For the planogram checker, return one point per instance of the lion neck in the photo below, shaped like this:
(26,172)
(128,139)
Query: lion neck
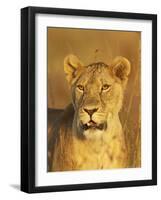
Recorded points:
(101,152)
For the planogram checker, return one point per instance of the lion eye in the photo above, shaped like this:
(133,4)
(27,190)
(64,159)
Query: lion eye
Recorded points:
(105,87)
(80,87)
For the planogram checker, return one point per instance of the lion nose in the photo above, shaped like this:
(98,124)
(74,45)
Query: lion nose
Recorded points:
(90,111)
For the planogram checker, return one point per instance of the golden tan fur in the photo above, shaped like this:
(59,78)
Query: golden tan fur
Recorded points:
(88,135)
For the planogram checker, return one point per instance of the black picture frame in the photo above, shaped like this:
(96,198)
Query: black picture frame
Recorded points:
(28,98)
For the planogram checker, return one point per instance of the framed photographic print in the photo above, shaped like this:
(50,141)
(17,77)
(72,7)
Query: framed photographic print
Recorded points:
(88,99)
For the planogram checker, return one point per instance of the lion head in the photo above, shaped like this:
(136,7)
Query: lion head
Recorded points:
(97,93)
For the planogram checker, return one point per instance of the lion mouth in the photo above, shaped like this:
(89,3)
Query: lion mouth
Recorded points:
(93,125)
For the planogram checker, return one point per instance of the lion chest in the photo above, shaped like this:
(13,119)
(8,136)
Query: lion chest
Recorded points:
(98,155)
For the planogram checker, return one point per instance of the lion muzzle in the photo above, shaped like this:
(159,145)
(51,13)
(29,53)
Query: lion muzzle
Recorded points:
(94,126)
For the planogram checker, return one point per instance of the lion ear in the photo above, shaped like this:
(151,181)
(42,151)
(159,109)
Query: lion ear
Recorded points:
(72,67)
(121,69)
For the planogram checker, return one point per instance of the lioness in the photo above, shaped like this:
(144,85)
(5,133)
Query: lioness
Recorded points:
(89,135)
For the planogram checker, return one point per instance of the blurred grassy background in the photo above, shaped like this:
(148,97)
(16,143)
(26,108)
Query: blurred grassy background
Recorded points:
(107,44)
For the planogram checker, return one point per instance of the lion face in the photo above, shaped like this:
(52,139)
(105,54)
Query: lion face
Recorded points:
(97,93)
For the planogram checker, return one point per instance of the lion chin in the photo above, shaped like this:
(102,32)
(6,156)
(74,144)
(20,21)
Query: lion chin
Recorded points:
(91,134)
